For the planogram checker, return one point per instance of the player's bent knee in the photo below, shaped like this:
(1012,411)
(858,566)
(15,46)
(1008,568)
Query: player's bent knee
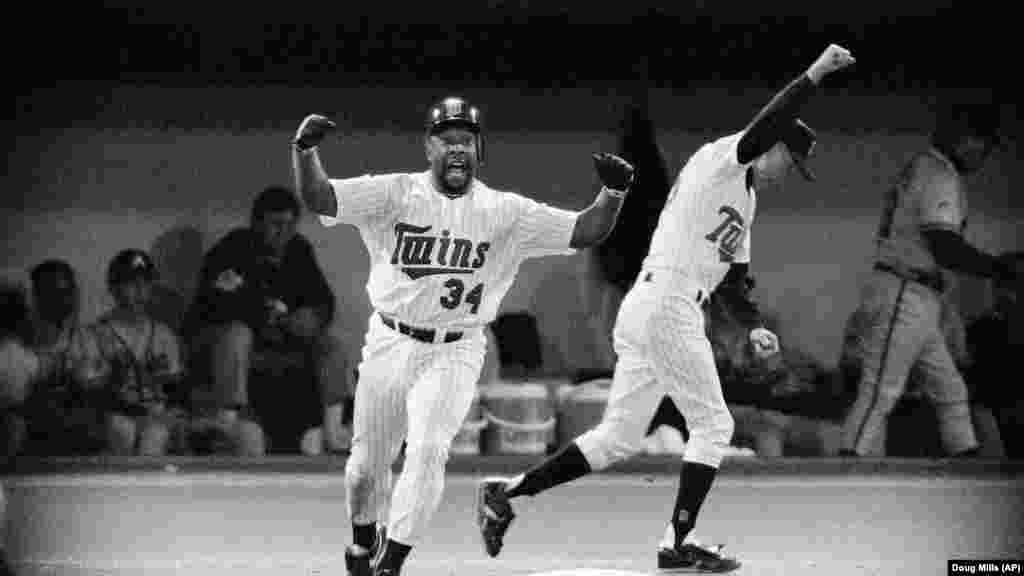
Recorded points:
(234,336)
(249,439)
(707,443)
(608,444)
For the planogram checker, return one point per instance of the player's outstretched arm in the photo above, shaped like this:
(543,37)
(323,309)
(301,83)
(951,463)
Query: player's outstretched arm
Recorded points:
(597,221)
(311,179)
(764,130)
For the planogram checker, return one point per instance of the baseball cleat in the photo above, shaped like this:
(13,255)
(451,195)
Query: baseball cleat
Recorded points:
(360,561)
(692,558)
(493,513)
(357,561)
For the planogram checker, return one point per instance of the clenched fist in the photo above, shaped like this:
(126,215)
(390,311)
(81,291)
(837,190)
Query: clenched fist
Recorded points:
(615,173)
(312,131)
(834,58)
(764,342)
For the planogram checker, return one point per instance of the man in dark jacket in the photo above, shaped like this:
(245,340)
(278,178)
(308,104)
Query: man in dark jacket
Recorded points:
(262,289)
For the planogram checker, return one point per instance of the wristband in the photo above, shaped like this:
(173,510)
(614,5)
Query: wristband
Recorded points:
(620,194)
(298,148)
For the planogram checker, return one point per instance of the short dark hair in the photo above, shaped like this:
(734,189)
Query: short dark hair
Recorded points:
(275,199)
(49,273)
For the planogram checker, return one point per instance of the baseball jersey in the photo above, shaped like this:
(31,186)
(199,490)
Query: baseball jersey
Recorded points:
(19,365)
(705,224)
(136,361)
(445,262)
(929,193)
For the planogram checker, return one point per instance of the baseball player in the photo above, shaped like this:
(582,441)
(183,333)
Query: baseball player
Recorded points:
(896,327)
(444,249)
(702,239)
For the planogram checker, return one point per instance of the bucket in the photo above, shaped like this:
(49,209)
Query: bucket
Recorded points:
(467,441)
(520,416)
(581,407)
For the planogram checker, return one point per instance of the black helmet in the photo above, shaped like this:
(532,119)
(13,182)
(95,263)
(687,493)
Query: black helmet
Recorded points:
(456,111)
(129,265)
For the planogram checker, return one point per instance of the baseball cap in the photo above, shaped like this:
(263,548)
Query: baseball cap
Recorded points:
(800,139)
(129,265)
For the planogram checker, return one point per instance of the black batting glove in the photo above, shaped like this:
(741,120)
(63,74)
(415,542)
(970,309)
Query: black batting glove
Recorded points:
(615,173)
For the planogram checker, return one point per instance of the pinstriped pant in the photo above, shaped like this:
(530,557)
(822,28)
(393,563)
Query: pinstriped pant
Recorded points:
(662,349)
(415,392)
(895,331)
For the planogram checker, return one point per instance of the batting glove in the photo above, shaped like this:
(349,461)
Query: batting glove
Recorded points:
(615,173)
(312,131)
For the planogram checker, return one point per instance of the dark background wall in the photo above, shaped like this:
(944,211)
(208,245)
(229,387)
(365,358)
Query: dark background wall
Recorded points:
(155,126)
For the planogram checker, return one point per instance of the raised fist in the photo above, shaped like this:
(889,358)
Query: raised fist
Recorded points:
(312,131)
(615,173)
(834,58)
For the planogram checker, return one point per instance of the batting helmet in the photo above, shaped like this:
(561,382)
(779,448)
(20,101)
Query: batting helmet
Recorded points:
(455,111)
(128,265)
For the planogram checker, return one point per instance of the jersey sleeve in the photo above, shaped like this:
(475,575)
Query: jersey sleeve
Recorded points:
(541,229)
(18,367)
(939,206)
(720,159)
(363,198)
(743,252)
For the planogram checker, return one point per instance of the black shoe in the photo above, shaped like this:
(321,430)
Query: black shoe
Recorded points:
(360,561)
(357,561)
(493,513)
(694,559)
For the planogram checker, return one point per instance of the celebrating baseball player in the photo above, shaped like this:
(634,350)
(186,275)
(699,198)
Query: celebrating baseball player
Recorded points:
(896,327)
(702,239)
(444,249)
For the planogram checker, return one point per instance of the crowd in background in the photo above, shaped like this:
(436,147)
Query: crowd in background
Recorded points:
(250,367)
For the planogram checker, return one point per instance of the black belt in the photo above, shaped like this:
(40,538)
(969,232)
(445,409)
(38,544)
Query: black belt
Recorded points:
(421,334)
(932,280)
(700,296)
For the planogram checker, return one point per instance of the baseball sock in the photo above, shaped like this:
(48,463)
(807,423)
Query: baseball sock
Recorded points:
(694,483)
(394,555)
(364,534)
(566,466)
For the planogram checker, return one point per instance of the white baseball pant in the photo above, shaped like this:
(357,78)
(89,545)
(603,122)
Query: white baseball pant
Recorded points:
(662,349)
(415,392)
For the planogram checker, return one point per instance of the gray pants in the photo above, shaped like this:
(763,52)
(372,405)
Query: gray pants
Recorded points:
(895,332)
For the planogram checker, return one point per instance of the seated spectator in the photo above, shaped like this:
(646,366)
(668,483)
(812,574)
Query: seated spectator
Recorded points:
(63,411)
(264,305)
(142,362)
(18,366)
(996,342)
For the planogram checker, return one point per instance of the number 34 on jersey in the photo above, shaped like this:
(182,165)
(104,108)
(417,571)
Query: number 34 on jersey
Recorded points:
(420,254)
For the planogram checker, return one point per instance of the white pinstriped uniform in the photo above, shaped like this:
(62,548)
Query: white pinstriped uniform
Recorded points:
(659,334)
(438,263)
